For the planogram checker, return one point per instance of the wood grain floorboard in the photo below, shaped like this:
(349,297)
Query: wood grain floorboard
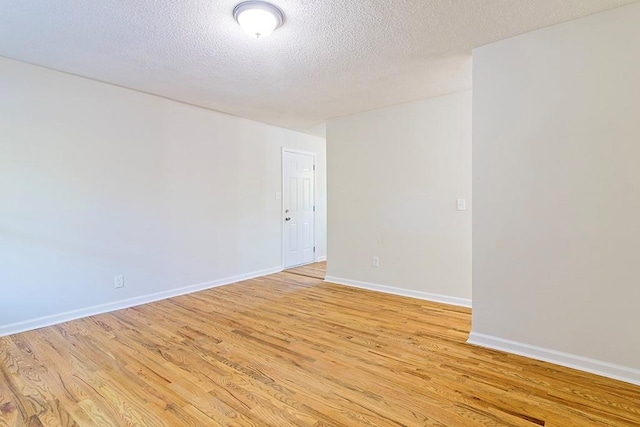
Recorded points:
(290,350)
(316,270)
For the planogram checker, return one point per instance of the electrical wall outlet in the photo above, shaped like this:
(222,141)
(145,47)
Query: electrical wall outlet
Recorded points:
(375,261)
(118,281)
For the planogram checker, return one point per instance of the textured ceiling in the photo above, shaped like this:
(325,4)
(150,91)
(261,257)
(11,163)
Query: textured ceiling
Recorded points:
(331,58)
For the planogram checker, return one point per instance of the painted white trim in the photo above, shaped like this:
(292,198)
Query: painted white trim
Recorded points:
(321,258)
(54,319)
(568,360)
(444,299)
(315,190)
(291,150)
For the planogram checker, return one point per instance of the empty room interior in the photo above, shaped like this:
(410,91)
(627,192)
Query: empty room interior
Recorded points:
(319,213)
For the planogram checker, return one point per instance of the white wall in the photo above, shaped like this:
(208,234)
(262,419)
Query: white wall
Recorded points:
(97,180)
(556,181)
(394,177)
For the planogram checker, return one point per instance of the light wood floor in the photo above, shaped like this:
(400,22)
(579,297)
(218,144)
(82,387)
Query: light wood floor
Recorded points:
(288,349)
(316,270)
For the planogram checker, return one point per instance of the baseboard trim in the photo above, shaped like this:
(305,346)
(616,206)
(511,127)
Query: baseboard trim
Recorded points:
(321,258)
(444,299)
(54,319)
(598,367)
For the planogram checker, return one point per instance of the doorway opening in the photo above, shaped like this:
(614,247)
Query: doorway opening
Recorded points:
(298,208)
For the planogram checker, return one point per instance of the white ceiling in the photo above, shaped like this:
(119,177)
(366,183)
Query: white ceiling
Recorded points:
(331,58)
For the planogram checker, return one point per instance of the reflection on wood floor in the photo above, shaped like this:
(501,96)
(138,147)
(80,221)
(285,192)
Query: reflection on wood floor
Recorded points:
(285,350)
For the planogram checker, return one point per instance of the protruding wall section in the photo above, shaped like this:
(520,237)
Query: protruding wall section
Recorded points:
(556,183)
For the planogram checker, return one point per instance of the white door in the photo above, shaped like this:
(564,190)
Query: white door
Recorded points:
(298,208)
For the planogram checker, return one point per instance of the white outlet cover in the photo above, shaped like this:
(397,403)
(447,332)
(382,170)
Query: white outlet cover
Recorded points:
(461,204)
(118,281)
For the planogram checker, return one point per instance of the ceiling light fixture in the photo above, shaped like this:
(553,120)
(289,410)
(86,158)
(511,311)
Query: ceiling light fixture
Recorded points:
(258,18)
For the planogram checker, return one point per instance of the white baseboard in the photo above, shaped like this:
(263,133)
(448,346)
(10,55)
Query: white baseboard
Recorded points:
(444,299)
(321,258)
(54,319)
(593,366)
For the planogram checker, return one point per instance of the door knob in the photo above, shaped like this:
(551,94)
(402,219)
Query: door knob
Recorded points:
(287,218)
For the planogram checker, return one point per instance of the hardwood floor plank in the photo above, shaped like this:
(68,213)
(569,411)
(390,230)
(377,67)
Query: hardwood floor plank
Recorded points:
(316,270)
(290,350)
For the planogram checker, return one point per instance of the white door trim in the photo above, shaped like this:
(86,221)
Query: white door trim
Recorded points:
(315,188)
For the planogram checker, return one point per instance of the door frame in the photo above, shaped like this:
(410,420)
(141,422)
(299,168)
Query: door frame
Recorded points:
(315,186)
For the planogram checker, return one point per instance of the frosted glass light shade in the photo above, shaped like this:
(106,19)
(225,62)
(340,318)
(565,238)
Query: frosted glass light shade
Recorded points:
(258,19)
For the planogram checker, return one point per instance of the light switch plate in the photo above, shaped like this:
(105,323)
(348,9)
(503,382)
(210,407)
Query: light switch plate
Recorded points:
(461,204)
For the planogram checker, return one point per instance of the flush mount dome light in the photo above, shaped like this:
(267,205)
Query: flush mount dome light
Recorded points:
(258,18)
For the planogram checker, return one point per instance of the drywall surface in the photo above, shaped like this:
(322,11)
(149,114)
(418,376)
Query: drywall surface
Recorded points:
(556,183)
(394,177)
(98,181)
